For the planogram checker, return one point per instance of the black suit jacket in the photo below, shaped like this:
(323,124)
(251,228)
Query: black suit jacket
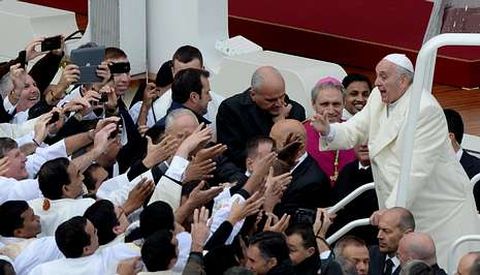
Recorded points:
(470,164)
(239,120)
(349,179)
(310,188)
(377,262)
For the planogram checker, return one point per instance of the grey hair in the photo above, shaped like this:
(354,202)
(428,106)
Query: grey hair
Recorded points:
(327,85)
(6,145)
(173,115)
(408,74)
(416,267)
(258,79)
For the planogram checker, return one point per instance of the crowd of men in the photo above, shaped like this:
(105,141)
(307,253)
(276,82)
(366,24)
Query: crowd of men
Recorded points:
(184,181)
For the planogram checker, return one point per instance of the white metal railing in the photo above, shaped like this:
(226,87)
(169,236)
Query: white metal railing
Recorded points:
(349,226)
(475,179)
(451,253)
(350,197)
(422,82)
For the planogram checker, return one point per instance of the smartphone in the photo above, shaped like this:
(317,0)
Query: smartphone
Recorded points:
(55,117)
(119,67)
(51,43)
(118,130)
(103,98)
(305,216)
(22,56)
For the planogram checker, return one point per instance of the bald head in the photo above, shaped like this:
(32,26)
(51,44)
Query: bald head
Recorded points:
(417,246)
(466,263)
(268,89)
(286,128)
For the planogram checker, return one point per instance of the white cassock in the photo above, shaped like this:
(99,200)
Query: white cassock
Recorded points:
(17,130)
(12,189)
(58,212)
(28,253)
(102,262)
(440,195)
(44,154)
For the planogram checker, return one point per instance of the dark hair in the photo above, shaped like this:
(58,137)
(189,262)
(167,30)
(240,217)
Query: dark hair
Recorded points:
(53,175)
(454,124)
(346,241)
(71,237)
(254,143)
(187,81)
(187,53)
(6,145)
(10,215)
(158,251)
(156,216)
(102,215)
(6,268)
(306,233)
(114,53)
(164,75)
(349,79)
(271,245)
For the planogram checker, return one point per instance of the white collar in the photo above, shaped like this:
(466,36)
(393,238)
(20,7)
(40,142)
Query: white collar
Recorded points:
(299,161)
(362,167)
(395,260)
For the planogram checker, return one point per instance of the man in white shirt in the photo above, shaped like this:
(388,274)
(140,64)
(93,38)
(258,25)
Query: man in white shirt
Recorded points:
(19,229)
(77,239)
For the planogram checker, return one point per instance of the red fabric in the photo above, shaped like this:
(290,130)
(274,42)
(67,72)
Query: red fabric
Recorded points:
(326,159)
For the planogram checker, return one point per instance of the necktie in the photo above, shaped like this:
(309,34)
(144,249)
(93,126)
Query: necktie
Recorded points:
(388,267)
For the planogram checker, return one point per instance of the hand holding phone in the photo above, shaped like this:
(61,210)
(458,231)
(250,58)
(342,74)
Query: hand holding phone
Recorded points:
(51,43)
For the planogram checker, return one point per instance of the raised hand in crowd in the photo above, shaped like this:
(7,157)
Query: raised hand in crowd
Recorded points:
(161,151)
(200,229)
(323,220)
(197,198)
(149,94)
(18,77)
(41,128)
(31,48)
(276,225)
(103,71)
(210,152)
(138,195)
(284,112)
(199,170)
(78,105)
(259,173)
(241,210)
(111,103)
(275,186)
(375,217)
(4,166)
(194,142)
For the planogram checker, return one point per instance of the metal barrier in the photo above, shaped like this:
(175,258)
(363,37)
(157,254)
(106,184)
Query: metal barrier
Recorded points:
(350,197)
(453,248)
(423,82)
(349,226)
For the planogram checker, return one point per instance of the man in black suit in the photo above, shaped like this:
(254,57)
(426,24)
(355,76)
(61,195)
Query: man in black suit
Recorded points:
(393,224)
(310,187)
(253,112)
(419,246)
(352,176)
(470,164)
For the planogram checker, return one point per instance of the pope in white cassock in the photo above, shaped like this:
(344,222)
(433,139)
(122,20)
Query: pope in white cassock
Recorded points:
(439,194)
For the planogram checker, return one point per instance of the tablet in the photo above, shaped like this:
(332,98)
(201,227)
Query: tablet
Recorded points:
(88,59)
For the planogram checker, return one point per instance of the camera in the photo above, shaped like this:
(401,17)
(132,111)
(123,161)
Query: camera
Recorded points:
(51,43)
(119,67)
